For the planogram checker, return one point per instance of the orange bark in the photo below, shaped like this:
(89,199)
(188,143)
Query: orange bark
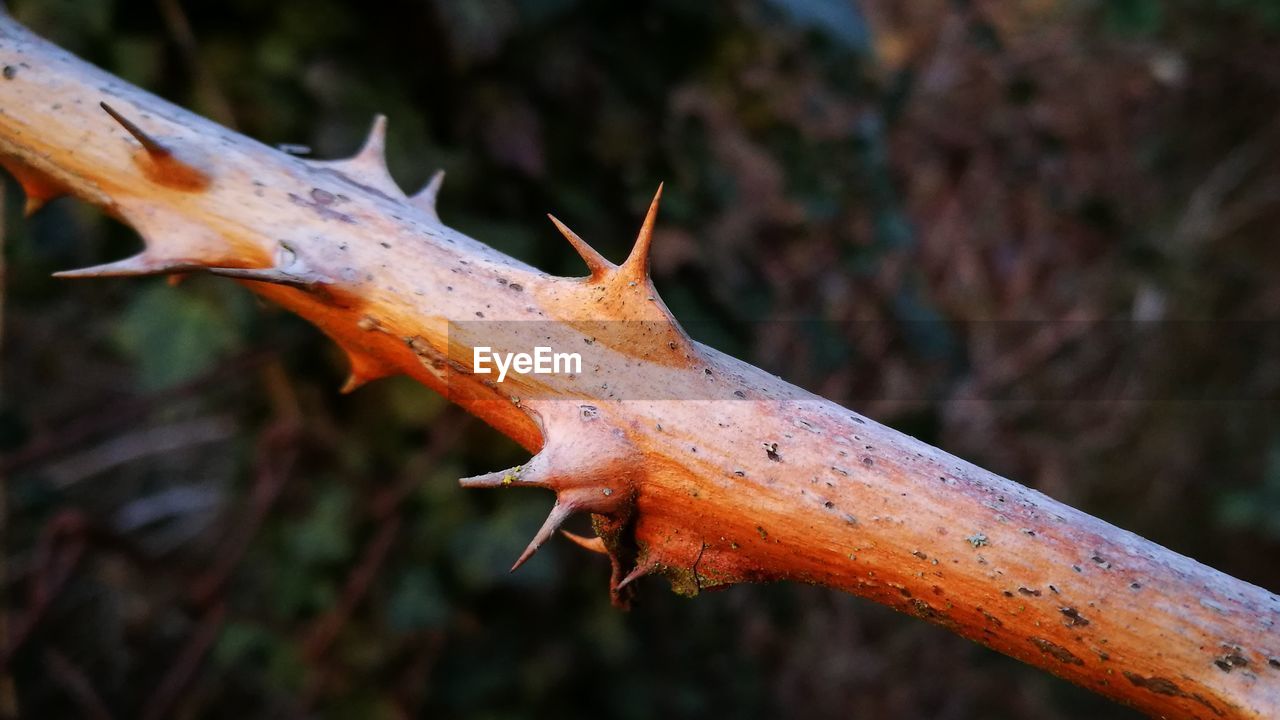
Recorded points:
(694,464)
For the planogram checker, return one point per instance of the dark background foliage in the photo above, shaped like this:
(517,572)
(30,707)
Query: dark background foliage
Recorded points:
(1038,234)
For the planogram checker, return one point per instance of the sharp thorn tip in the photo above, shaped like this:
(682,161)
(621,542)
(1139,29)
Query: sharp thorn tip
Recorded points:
(150,144)
(638,572)
(592,544)
(425,199)
(596,263)
(559,513)
(638,260)
(135,265)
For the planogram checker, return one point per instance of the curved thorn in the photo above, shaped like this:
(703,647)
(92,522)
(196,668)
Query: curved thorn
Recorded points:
(638,260)
(354,382)
(559,513)
(38,189)
(32,205)
(638,572)
(154,147)
(596,263)
(594,544)
(425,199)
(362,370)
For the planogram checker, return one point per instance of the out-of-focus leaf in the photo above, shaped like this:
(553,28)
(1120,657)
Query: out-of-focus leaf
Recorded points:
(1134,17)
(417,602)
(174,336)
(323,536)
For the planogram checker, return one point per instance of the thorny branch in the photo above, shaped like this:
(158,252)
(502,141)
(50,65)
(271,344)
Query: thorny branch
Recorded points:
(693,465)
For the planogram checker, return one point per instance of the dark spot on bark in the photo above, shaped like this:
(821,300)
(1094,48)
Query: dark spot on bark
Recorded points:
(1029,591)
(1158,685)
(516,286)
(589,412)
(322,197)
(926,611)
(1135,586)
(1233,659)
(868,461)
(1101,561)
(991,618)
(739,394)
(1008,594)
(1057,652)
(1274,662)
(10,72)
(1201,699)
(321,209)
(1073,616)
(771,450)
(479,314)
(920,555)
(828,504)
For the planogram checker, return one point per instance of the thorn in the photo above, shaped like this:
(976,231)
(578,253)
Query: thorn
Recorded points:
(136,265)
(32,205)
(153,147)
(375,146)
(369,165)
(425,199)
(594,544)
(37,188)
(185,172)
(527,474)
(354,382)
(559,513)
(638,260)
(275,276)
(638,572)
(144,265)
(596,263)
(363,369)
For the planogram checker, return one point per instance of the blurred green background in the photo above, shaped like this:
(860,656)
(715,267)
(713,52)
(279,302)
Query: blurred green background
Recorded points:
(1041,235)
